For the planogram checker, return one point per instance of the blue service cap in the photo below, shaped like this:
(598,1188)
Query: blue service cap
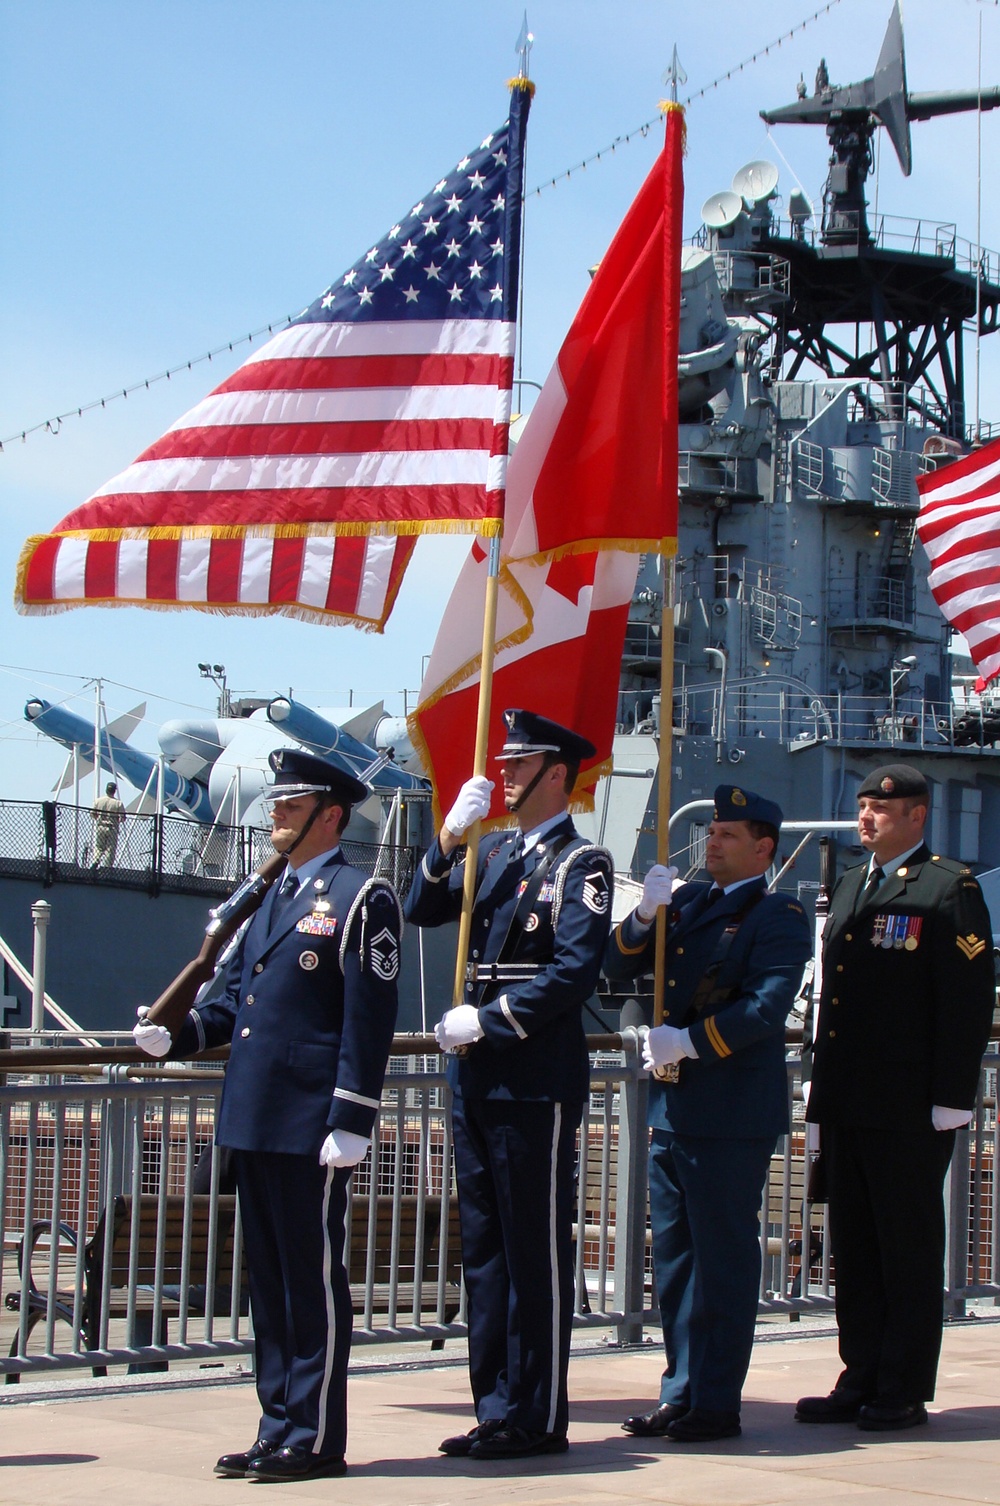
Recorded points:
(732,803)
(298,773)
(529,733)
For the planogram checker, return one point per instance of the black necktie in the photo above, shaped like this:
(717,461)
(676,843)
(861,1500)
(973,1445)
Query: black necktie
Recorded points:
(287,892)
(516,847)
(712,895)
(874,879)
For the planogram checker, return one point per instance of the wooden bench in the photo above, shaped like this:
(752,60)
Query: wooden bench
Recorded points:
(139,1250)
(418,1227)
(416,1280)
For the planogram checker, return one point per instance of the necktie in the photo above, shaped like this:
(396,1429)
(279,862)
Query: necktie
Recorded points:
(283,898)
(712,896)
(516,848)
(874,879)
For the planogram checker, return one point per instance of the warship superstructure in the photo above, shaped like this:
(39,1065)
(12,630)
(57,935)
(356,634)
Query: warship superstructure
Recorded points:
(822,371)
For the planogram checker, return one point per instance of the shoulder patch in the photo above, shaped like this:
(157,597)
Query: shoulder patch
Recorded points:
(597,892)
(375,901)
(598,860)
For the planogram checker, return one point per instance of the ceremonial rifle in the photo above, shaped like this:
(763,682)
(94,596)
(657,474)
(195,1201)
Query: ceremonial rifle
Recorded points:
(174,1004)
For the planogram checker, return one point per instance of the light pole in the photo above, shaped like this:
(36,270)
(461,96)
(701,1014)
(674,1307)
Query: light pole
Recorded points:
(217,674)
(898,671)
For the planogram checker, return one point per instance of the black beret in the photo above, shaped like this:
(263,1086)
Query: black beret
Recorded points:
(894,781)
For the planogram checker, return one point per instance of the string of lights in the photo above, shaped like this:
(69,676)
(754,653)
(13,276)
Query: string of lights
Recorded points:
(647,125)
(53,425)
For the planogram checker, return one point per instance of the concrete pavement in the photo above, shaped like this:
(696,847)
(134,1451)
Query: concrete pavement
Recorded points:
(150,1443)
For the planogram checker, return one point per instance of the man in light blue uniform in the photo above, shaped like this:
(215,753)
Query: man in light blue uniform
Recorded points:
(309,1005)
(539,928)
(734,960)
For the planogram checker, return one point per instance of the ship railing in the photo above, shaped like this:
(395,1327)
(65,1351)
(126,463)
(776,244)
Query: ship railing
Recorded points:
(55,843)
(122,1243)
(784,708)
(921,237)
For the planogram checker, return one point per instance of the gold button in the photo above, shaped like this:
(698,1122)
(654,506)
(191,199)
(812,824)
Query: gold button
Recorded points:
(848,937)
(833,1035)
(671,983)
(680,951)
(840,967)
(834,1001)
(245,1031)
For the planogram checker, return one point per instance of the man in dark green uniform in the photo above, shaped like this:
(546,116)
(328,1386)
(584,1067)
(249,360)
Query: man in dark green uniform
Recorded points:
(904,1018)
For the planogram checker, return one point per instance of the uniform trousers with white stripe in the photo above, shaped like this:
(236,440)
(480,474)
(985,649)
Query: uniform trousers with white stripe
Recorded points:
(294,1213)
(515,1168)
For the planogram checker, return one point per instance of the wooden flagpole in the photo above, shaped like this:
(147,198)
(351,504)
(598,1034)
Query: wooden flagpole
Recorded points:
(479,762)
(668,547)
(522,85)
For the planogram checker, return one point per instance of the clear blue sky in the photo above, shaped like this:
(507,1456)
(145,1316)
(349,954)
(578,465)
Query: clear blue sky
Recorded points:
(178,172)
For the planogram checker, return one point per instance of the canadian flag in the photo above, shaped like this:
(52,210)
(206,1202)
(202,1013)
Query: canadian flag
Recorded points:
(592,482)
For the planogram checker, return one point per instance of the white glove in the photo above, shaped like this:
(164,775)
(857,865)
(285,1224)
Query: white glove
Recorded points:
(472,805)
(664,1045)
(949,1119)
(806,1090)
(656,891)
(155,1040)
(459,1027)
(343,1148)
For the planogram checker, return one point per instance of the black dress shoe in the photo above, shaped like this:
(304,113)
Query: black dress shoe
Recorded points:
(839,1406)
(518,1443)
(235,1466)
(877,1418)
(461,1444)
(295,1463)
(697,1426)
(654,1424)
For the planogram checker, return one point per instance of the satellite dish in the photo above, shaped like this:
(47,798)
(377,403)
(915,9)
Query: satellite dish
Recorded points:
(756,182)
(721,210)
(799,208)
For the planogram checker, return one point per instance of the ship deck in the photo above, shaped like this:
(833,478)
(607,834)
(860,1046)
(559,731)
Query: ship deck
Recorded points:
(156,1438)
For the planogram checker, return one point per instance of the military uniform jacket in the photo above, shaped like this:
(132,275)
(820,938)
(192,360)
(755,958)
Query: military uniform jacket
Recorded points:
(907,1001)
(310,1010)
(534,1045)
(737,1087)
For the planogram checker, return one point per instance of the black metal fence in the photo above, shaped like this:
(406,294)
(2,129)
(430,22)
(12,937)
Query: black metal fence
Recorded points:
(57,843)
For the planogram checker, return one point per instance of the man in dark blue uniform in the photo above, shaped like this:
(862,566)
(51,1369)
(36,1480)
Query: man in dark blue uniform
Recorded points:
(904,1018)
(309,1005)
(734,960)
(539,928)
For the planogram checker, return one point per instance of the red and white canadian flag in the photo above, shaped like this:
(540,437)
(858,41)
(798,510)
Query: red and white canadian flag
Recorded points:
(592,483)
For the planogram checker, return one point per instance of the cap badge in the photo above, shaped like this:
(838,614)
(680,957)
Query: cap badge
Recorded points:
(887,786)
(508,717)
(738,797)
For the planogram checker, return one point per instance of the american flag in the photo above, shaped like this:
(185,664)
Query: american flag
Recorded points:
(379,413)
(959,527)
(567,572)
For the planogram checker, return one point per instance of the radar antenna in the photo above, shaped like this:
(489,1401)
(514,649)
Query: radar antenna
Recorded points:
(851,115)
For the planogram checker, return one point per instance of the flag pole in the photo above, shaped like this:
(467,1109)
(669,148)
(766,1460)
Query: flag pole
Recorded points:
(673,194)
(522,90)
(479,762)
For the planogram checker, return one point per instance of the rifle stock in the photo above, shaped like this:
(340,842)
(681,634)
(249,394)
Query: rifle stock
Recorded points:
(174,1004)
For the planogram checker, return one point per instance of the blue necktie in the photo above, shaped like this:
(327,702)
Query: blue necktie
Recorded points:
(283,898)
